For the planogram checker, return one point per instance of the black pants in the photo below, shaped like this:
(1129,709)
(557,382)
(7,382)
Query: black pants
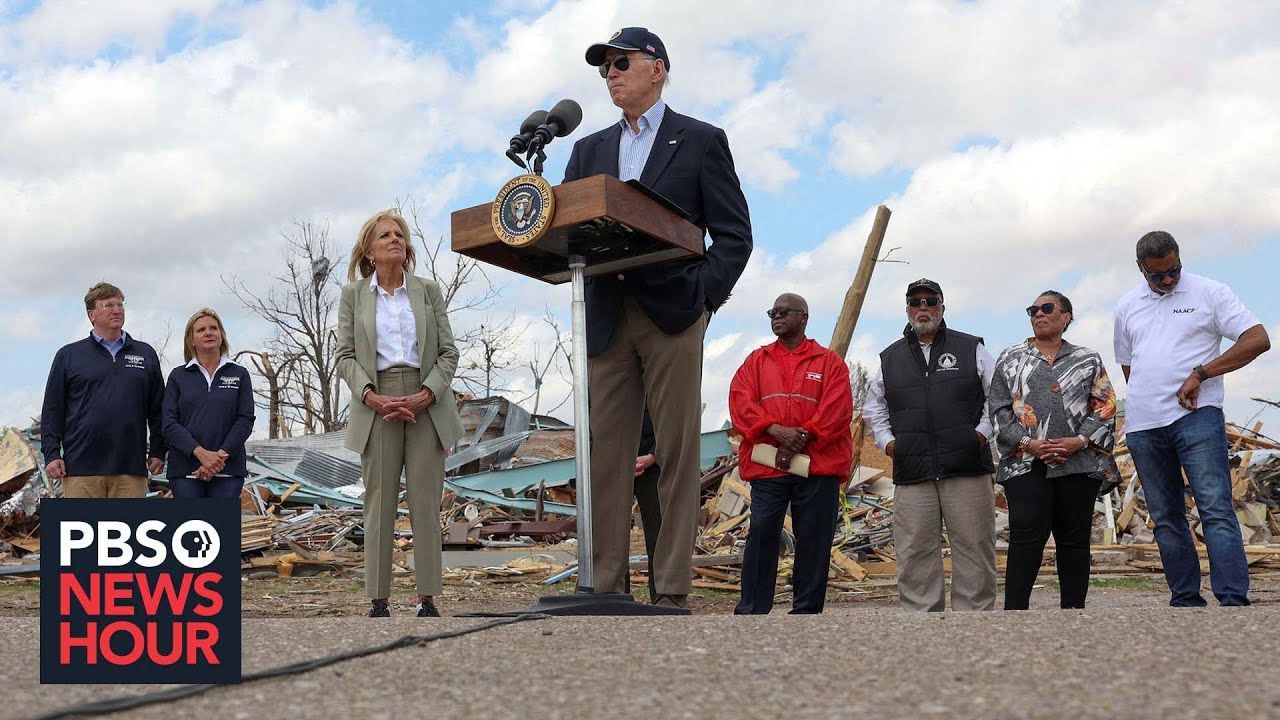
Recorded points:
(814,501)
(1038,506)
(646,492)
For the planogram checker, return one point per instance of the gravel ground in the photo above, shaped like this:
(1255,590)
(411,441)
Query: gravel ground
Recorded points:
(1127,656)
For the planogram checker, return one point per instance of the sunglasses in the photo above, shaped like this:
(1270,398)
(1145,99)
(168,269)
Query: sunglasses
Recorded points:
(930,301)
(622,62)
(1160,276)
(1046,308)
(782,312)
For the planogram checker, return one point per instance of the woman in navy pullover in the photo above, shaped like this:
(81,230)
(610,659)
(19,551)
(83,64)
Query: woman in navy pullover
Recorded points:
(208,414)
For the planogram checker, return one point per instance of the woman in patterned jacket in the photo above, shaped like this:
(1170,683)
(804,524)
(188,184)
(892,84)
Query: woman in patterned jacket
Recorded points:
(1054,413)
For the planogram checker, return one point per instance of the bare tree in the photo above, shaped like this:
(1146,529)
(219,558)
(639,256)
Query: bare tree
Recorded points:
(452,272)
(539,367)
(491,351)
(302,390)
(302,386)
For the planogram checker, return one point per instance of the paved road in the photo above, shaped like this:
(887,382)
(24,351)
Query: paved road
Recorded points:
(1122,661)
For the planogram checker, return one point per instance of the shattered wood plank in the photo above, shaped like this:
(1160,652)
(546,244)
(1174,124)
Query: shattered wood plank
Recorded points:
(706,585)
(715,574)
(848,565)
(886,569)
(290,491)
(729,524)
(1126,515)
(1244,439)
(1240,476)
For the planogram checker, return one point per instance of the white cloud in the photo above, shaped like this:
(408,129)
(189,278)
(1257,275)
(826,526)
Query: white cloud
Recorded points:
(1040,139)
(76,29)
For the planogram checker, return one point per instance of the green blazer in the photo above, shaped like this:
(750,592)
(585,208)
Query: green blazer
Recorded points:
(358,353)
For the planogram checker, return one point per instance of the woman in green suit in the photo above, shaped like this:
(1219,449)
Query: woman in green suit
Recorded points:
(396,354)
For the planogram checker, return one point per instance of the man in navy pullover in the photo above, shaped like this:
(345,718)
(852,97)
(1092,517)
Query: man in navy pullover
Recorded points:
(101,403)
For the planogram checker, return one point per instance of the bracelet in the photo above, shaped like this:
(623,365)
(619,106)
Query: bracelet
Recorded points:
(1024,442)
(367,389)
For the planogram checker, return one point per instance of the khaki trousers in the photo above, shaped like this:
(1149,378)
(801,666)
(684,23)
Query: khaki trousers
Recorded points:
(966,504)
(415,449)
(104,486)
(641,363)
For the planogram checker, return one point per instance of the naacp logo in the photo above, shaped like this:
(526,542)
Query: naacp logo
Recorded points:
(947,362)
(1184,311)
(522,212)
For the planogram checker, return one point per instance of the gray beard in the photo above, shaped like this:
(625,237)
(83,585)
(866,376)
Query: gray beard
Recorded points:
(926,328)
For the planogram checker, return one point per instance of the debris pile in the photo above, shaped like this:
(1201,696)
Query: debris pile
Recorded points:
(508,514)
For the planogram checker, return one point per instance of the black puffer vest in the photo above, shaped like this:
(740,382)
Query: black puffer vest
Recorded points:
(934,410)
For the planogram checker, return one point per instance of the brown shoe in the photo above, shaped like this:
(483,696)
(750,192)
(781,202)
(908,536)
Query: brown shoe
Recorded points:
(675,601)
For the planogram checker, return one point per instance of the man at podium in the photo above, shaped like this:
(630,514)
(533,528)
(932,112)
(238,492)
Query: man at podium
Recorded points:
(645,327)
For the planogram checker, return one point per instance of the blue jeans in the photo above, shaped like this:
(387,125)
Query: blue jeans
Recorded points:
(217,487)
(1196,443)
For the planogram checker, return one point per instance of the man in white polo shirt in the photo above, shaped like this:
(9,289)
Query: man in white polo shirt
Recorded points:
(1168,336)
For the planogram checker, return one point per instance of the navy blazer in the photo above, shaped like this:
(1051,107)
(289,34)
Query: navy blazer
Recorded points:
(690,165)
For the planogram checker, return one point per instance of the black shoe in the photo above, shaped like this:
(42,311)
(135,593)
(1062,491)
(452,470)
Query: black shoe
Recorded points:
(428,609)
(380,609)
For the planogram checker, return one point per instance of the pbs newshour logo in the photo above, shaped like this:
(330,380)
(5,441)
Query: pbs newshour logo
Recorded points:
(140,591)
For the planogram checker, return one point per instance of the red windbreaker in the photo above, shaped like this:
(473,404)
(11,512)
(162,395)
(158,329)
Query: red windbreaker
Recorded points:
(806,388)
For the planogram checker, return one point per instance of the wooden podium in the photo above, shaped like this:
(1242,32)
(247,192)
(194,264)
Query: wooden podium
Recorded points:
(613,225)
(600,225)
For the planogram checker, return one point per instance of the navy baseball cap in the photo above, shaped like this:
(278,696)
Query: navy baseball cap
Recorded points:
(924,284)
(631,38)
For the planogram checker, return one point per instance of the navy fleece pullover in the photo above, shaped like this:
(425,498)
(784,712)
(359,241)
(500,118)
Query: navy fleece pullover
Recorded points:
(98,410)
(214,417)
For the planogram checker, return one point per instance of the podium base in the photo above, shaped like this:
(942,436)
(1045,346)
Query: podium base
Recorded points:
(588,603)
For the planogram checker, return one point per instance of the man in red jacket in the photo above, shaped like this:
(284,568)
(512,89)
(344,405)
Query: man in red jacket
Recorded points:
(794,395)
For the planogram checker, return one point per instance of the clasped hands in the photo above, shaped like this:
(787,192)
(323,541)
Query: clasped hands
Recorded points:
(1057,450)
(790,440)
(211,462)
(403,409)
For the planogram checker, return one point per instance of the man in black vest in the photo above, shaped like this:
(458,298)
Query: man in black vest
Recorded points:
(927,410)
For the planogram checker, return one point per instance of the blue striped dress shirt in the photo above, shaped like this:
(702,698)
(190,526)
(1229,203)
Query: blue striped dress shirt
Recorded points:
(633,147)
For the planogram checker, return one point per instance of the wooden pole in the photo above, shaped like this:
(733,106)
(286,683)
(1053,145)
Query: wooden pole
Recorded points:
(848,318)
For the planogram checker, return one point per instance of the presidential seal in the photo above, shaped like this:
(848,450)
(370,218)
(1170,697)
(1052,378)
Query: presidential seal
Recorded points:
(523,210)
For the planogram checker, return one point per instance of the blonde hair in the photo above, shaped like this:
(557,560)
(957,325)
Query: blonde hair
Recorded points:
(101,291)
(189,345)
(365,239)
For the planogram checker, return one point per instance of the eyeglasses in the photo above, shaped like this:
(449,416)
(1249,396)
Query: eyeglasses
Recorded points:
(930,301)
(115,305)
(1046,308)
(622,62)
(1160,276)
(782,312)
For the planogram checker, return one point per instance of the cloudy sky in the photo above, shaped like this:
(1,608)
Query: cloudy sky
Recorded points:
(164,144)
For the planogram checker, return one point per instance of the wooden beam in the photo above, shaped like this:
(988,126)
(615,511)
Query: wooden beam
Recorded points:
(848,318)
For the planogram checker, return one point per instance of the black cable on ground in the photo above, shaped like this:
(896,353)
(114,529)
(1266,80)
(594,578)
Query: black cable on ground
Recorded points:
(104,707)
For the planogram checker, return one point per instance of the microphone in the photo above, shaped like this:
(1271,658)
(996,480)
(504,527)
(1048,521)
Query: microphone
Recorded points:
(520,142)
(562,120)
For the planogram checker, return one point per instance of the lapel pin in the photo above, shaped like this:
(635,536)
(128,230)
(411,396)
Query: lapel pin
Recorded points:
(673,142)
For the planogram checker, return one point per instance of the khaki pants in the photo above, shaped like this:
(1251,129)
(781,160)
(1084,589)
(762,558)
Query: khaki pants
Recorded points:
(641,363)
(966,504)
(415,449)
(104,486)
